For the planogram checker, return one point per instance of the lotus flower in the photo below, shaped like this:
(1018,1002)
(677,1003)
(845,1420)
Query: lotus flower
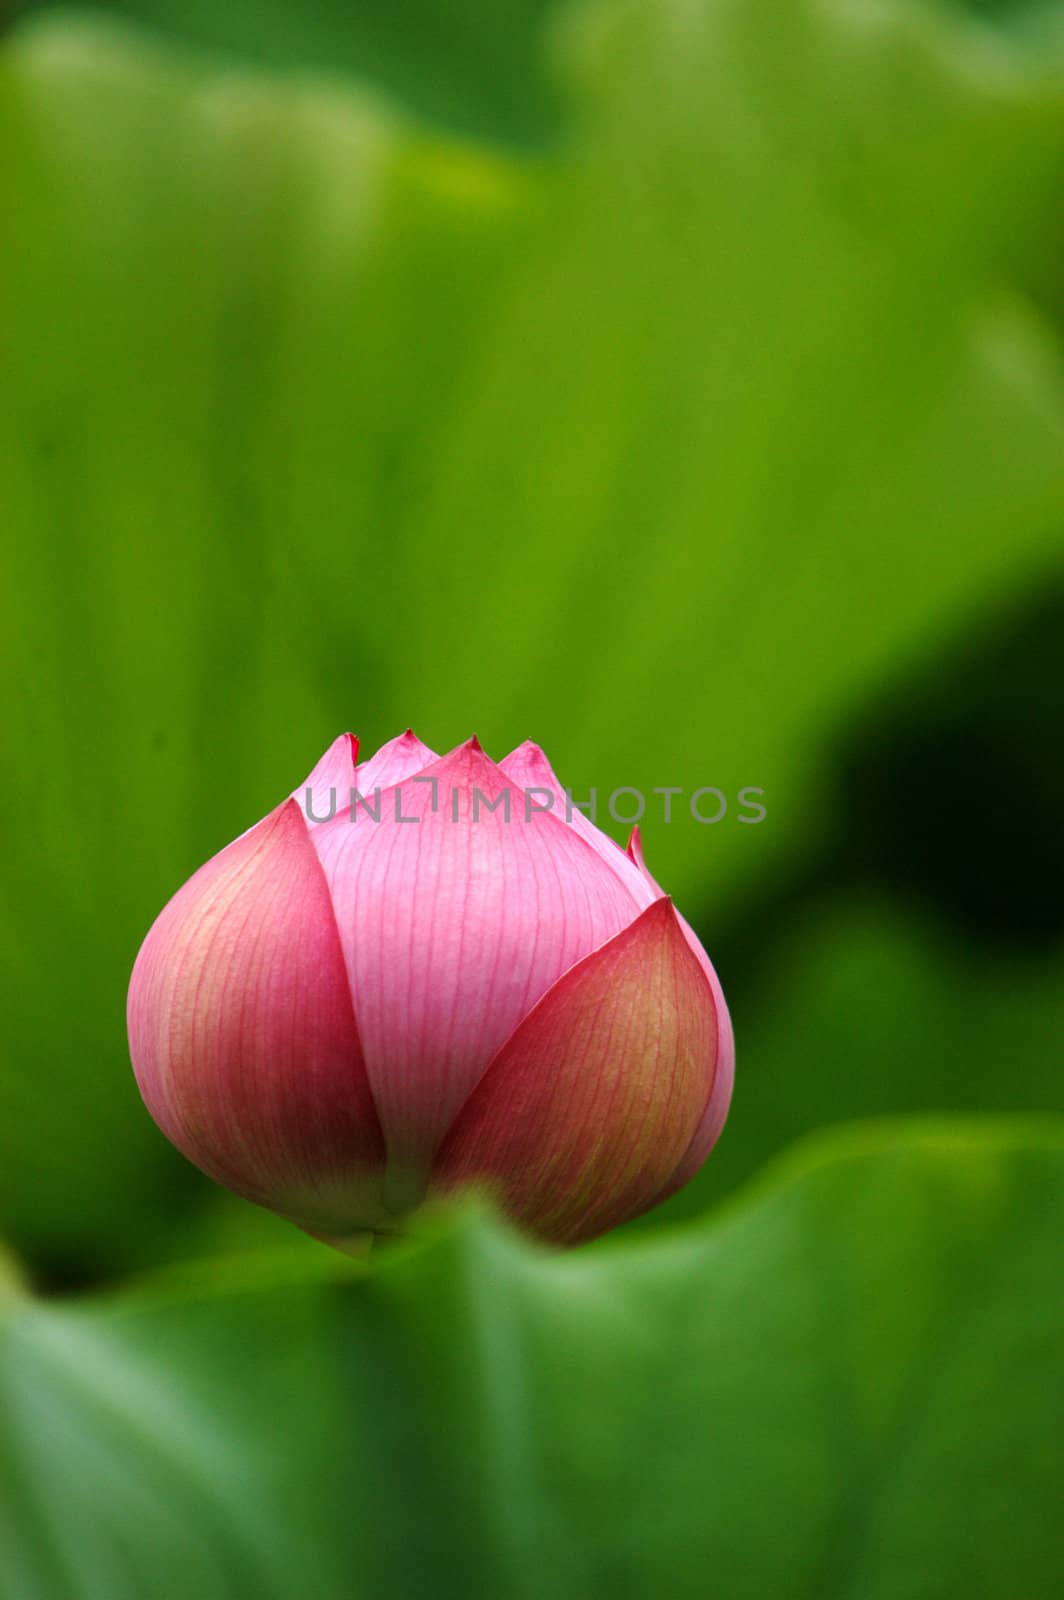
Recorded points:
(419,972)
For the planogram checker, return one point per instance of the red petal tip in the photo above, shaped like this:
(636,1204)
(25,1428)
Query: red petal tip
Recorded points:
(283,813)
(660,910)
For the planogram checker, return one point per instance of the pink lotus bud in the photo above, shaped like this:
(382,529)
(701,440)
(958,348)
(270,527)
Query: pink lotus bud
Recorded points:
(444,979)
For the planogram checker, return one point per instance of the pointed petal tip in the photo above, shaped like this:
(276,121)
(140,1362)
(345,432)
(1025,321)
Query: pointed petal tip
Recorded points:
(283,815)
(344,742)
(334,769)
(528,760)
(396,760)
(634,852)
(660,912)
(468,760)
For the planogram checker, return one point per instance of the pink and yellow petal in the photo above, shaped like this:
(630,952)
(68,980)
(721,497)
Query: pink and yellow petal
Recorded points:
(589,1107)
(243,1035)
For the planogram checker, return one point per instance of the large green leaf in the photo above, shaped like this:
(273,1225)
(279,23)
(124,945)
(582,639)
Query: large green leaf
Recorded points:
(842,1386)
(664,451)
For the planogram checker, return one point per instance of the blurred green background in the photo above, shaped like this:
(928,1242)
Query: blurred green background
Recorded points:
(675,382)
